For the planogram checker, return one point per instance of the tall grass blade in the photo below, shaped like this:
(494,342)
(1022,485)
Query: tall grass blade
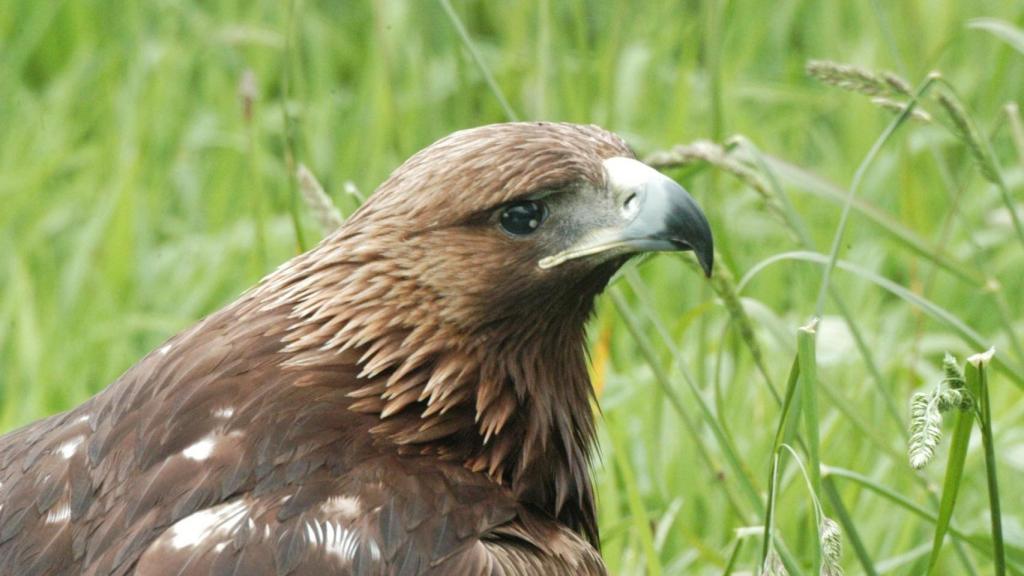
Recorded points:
(638,513)
(740,472)
(966,129)
(289,132)
(977,383)
(809,399)
(1012,35)
(978,543)
(968,334)
(858,177)
(809,407)
(951,484)
(863,556)
(485,70)
(1016,129)
(734,556)
(784,433)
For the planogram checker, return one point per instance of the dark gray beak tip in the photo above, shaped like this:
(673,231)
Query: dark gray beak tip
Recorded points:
(689,227)
(706,258)
(703,249)
(704,246)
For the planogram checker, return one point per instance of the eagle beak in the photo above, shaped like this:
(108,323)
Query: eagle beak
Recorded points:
(655,215)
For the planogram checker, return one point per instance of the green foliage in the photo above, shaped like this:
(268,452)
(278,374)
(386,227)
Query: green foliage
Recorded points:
(148,154)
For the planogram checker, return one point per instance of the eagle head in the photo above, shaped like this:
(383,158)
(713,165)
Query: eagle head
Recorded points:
(509,227)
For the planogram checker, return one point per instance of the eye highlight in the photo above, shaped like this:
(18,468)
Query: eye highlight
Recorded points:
(523,218)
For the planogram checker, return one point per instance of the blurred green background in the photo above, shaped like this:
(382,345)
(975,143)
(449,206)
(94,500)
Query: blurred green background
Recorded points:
(146,154)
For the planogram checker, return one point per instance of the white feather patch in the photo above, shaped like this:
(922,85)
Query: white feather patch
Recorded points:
(200,450)
(213,523)
(344,506)
(68,449)
(335,540)
(59,513)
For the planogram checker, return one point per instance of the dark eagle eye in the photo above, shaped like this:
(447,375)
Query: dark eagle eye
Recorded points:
(523,218)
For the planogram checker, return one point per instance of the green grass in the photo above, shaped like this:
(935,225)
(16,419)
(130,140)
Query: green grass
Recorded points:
(136,196)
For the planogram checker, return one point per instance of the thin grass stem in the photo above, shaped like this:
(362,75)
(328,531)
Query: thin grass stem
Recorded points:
(289,133)
(951,484)
(1016,129)
(782,435)
(829,488)
(977,382)
(966,129)
(937,312)
(731,456)
(733,557)
(817,513)
(478,59)
(638,513)
(858,177)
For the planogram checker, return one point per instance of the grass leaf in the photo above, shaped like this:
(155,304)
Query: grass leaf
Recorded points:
(1012,35)
(951,485)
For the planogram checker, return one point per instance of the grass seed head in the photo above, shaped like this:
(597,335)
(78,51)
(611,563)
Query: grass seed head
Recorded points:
(899,107)
(718,156)
(857,79)
(965,131)
(773,565)
(831,545)
(247,93)
(951,369)
(954,399)
(925,429)
(897,84)
(318,202)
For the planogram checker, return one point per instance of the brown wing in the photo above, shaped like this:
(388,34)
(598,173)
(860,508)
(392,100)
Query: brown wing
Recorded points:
(209,457)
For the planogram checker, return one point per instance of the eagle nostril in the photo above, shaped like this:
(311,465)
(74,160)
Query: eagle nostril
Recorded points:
(631,206)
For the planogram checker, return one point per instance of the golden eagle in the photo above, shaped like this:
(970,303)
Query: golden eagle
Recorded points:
(409,397)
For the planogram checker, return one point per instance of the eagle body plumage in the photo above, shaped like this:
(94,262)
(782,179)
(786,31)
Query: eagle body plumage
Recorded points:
(409,397)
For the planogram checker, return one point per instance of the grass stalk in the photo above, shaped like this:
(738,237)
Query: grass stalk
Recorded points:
(1014,564)
(638,513)
(951,484)
(735,464)
(858,177)
(248,94)
(783,434)
(485,70)
(966,333)
(809,400)
(734,556)
(1016,129)
(318,202)
(809,407)
(801,377)
(816,511)
(289,133)
(829,488)
(966,129)
(977,382)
